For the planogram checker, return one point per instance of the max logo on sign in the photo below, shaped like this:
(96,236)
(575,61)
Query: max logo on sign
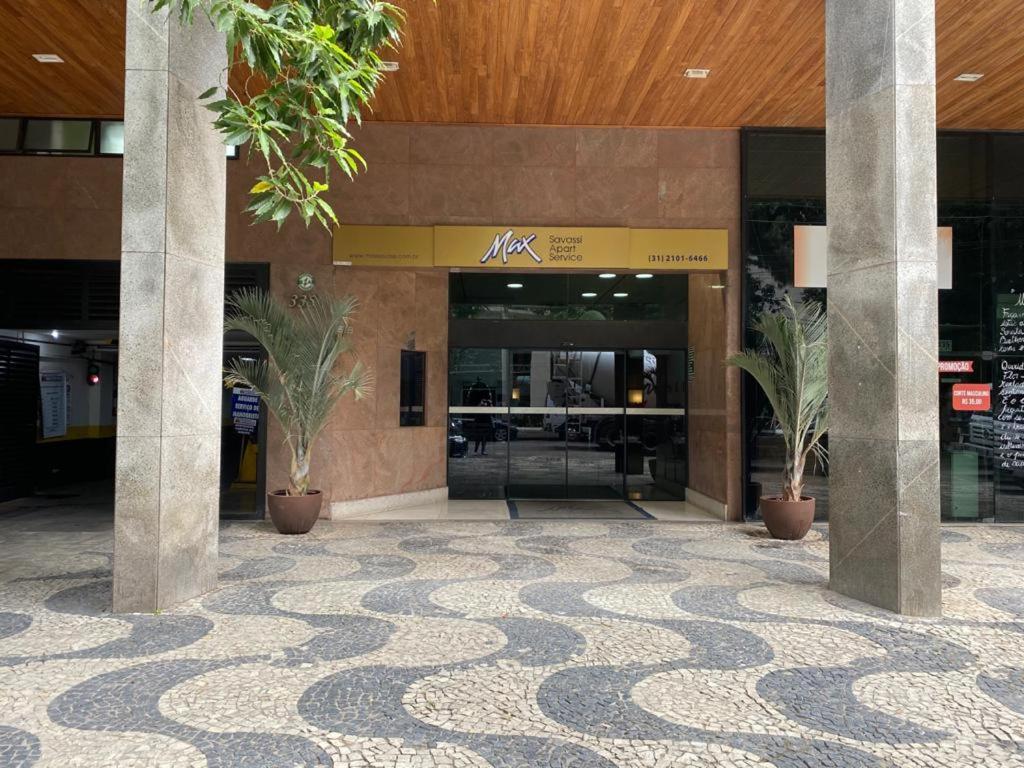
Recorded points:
(506,245)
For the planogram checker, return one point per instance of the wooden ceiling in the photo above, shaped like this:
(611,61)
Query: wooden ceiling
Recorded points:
(584,62)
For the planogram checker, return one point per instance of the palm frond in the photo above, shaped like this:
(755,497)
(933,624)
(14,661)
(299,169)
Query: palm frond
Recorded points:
(299,381)
(791,368)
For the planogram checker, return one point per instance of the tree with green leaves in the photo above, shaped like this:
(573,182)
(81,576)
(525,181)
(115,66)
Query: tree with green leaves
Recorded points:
(297,380)
(792,369)
(311,66)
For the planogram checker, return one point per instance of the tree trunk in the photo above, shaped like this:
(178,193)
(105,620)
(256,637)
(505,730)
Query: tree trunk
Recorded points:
(793,478)
(298,479)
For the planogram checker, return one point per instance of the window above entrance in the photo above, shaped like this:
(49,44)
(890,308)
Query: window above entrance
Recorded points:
(533,296)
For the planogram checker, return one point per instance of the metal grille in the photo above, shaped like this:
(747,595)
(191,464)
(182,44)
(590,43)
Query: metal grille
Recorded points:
(19,395)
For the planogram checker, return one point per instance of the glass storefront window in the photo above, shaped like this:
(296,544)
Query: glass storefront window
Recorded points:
(981,197)
(111,137)
(48,136)
(65,136)
(9,128)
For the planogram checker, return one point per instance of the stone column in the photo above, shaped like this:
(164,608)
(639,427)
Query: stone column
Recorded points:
(883,303)
(172,314)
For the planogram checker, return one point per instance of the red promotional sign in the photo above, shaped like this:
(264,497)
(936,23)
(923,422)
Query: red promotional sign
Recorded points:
(956,366)
(972,397)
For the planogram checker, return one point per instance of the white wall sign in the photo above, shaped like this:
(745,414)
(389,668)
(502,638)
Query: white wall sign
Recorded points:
(810,256)
(53,392)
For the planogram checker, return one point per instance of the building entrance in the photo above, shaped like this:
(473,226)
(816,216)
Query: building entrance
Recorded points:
(553,399)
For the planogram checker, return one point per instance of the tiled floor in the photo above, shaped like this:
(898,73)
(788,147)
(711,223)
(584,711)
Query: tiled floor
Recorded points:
(505,643)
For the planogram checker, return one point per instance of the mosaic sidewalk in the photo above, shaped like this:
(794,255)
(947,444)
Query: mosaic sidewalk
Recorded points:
(507,644)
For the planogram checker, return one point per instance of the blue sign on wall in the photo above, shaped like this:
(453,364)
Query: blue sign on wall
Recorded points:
(245,410)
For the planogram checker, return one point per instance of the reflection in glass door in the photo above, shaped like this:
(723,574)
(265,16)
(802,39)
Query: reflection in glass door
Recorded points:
(478,427)
(595,425)
(656,428)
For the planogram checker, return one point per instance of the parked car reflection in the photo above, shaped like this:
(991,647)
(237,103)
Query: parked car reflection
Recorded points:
(501,430)
(457,443)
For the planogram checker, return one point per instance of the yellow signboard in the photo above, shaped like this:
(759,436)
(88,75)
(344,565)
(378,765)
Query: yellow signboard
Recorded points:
(531,247)
(367,246)
(527,248)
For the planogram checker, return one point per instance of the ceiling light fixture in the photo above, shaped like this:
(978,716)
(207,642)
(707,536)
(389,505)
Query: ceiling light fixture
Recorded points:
(717,287)
(644,276)
(606,275)
(620,295)
(515,285)
(697,74)
(389,66)
(968,77)
(55,334)
(588,295)
(47,58)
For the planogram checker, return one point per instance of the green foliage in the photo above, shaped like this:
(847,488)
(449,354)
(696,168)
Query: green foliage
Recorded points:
(792,369)
(298,380)
(314,64)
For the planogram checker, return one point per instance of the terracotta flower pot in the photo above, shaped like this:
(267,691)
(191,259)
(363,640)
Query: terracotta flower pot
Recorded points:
(294,514)
(787,519)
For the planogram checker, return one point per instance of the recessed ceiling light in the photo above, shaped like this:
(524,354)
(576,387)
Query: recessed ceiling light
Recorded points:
(620,295)
(644,276)
(47,58)
(588,295)
(389,66)
(606,275)
(55,333)
(968,77)
(515,285)
(697,74)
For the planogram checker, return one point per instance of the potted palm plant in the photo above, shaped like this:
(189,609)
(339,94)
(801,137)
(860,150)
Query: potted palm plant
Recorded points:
(298,381)
(791,368)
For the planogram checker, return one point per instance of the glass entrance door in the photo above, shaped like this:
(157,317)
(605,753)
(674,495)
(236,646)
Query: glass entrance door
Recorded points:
(537,462)
(595,425)
(558,424)
(568,420)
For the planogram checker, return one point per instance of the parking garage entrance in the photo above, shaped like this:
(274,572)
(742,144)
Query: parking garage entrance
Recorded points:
(567,386)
